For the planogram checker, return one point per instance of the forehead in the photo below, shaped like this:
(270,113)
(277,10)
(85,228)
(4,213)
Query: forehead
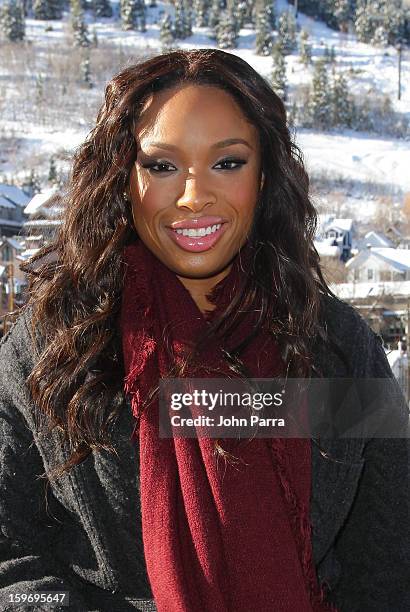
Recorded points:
(194,109)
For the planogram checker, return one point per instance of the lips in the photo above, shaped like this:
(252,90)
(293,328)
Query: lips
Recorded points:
(197,222)
(197,244)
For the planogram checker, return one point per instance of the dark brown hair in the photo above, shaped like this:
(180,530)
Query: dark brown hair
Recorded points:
(76,282)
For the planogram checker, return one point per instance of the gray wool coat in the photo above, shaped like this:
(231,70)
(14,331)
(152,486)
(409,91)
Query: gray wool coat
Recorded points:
(83,533)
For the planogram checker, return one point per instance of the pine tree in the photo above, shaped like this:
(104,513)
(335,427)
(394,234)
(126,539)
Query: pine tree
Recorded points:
(33,183)
(12,20)
(342,103)
(263,35)
(363,22)
(180,19)
(201,13)
(188,20)
(78,25)
(166,36)
(240,10)
(305,48)
(128,10)
(52,172)
(102,8)
(86,71)
(226,31)
(278,75)
(47,9)
(321,100)
(140,16)
(287,32)
(380,37)
(343,13)
(214,15)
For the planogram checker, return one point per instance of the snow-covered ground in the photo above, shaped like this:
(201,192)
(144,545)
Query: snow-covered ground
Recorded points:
(345,154)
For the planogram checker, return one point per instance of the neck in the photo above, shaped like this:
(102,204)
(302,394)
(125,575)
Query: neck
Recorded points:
(199,288)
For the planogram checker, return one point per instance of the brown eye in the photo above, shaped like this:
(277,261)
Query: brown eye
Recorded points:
(238,163)
(158,167)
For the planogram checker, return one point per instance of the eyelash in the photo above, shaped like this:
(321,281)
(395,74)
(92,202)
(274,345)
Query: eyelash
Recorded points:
(151,166)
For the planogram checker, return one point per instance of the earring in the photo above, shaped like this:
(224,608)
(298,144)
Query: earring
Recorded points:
(125,196)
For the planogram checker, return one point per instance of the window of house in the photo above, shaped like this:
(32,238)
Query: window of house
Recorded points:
(357,274)
(369,274)
(399,276)
(7,253)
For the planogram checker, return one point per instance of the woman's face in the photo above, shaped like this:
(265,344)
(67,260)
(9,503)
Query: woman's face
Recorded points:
(195,182)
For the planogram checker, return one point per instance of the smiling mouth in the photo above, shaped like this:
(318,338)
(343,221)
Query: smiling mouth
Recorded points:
(198,239)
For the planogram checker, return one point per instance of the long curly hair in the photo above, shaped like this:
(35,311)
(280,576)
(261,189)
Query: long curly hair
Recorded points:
(75,283)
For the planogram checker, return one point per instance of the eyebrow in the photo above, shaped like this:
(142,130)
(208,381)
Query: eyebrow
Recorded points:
(218,145)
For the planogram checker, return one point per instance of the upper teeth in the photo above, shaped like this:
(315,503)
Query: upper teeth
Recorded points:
(202,231)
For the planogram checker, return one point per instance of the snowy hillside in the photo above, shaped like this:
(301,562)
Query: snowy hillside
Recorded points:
(343,155)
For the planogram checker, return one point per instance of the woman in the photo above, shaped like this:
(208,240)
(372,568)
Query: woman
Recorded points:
(187,251)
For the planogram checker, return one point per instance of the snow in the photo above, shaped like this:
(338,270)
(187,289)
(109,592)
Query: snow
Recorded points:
(18,246)
(39,200)
(400,258)
(348,291)
(346,154)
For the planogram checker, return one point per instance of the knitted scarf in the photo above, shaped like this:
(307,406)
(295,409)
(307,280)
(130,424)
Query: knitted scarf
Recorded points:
(217,538)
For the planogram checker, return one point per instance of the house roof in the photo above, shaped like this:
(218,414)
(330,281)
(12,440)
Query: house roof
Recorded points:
(12,195)
(398,258)
(39,200)
(325,249)
(377,239)
(342,224)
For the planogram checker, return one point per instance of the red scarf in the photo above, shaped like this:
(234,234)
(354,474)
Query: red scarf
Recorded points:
(217,538)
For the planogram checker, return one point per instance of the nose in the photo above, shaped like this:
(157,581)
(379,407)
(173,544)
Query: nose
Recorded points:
(196,195)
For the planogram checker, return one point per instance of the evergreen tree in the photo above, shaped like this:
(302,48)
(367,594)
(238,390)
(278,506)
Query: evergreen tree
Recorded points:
(321,99)
(52,172)
(343,13)
(180,20)
(201,8)
(305,48)
(214,15)
(86,71)
(12,20)
(287,32)
(188,20)
(78,25)
(128,10)
(47,9)
(363,23)
(226,31)
(342,102)
(278,75)
(241,9)
(102,8)
(140,16)
(263,35)
(380,20)
(380,37)
(33,183)
(166,36)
